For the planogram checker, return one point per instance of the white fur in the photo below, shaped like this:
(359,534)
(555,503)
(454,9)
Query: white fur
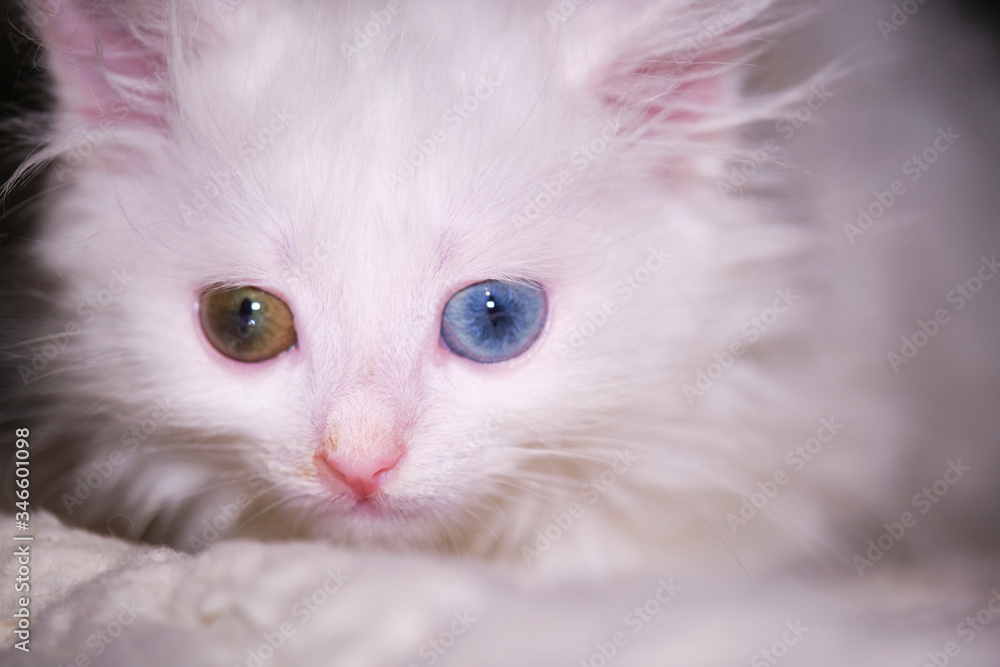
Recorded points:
(366,267)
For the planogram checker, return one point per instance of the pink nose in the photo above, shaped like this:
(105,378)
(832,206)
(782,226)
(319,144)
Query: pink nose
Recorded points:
(361,476)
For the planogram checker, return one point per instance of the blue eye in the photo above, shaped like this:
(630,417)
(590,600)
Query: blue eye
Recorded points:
(494,320)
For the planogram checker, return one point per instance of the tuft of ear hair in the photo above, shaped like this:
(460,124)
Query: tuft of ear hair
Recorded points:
(678,61)
(109,58)
(114,64)
(673,73)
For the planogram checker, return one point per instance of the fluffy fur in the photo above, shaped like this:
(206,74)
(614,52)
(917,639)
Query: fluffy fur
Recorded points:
(257,143)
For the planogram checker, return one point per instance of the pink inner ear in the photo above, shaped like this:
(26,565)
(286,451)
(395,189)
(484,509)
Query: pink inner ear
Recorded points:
(105,72)
(658,91)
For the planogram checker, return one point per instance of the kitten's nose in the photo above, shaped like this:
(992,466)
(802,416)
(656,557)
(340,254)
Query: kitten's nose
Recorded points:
(362,475)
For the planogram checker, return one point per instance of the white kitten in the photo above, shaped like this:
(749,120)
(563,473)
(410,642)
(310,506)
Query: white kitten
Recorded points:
(731,366)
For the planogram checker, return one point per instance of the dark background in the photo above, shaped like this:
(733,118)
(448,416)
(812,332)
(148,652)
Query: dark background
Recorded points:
(983,12)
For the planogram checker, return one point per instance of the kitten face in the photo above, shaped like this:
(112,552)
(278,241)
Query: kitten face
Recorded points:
(365,204)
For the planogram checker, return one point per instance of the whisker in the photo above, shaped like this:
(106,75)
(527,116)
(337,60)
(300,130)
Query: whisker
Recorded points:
(281,500)
(470,511)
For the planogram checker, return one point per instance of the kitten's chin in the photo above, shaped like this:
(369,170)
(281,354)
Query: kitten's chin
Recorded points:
(367,523)
(373,509)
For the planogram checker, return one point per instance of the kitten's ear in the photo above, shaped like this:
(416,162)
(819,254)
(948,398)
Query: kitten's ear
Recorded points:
(108,58)
(665,66)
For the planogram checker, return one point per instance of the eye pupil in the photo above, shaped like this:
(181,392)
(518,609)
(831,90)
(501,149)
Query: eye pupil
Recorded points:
(494,320)
(495,315)
(247,322)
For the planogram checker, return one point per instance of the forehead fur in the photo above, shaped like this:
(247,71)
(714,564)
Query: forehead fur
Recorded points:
(398,177)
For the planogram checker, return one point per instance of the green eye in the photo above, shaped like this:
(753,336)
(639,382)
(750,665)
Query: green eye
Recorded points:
(246,323)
